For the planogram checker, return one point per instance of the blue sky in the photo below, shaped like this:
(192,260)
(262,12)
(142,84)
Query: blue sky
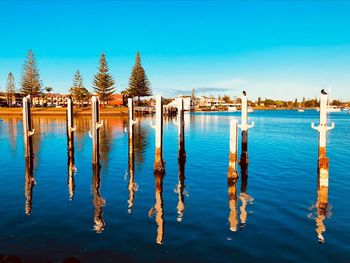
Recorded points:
(277,49)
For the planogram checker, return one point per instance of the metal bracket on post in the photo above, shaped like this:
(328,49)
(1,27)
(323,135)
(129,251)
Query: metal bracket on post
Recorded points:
(31,133)
(99,125)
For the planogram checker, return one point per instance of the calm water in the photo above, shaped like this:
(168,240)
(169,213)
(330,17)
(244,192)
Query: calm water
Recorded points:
(57,214)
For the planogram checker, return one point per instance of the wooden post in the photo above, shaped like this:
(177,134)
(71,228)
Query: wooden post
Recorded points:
(70,125)
(27,128)
(159,163)
(95,133)
(232,167)
(244,127)
(322,140)
(70,146)
(181,129)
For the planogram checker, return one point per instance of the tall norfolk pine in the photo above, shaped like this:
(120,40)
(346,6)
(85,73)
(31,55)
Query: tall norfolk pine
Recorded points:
(30,82)
(139,84)
(10,88)
(79,93)
(103,82)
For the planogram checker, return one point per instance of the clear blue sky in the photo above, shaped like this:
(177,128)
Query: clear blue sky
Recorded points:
(272,49)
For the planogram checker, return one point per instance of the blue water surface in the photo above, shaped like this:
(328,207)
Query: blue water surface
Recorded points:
(277,222)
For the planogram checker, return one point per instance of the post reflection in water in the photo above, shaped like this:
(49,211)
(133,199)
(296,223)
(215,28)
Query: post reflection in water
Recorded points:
(71,172)
(158,208)
(320,211)
(232,194)
(98,201)
(181,189)
(28,186)
(244,197)
(132,186)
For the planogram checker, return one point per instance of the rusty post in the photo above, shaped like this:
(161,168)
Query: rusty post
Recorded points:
(322,140)
(159,163)
(95,132)
(244,127)
(28,131)
(181,129)
(70,125)
(232,167)
(70,146)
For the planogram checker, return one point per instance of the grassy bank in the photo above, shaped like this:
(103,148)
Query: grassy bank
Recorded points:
(62,111)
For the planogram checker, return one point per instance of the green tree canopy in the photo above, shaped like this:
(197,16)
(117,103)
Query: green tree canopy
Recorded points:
(139,84)
(30,82)
(78,91)
(103,82)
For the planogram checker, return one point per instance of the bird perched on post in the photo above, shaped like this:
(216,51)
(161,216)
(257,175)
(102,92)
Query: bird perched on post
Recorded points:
(244,93)
(324,92)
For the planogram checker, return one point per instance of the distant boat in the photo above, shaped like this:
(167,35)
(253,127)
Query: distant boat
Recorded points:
(333,109)
(346,109)
(301,110)
(250,110)
(232,108)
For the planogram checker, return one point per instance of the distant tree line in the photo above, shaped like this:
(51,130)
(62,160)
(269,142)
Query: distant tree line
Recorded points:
(103,83)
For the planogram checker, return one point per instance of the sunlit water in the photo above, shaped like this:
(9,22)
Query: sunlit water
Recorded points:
(53,216)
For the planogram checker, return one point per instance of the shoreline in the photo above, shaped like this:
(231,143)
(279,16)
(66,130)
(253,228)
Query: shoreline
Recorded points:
(122,111)
(62,111)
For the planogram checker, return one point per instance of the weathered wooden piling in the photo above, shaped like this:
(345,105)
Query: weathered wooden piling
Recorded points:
(322,140)
(232,195)
(28,131)
(159,162)
(244,127)
(232,167)
(70,125)
(180,189)
(95,132)
(70,147)
(181,129)
(98,201)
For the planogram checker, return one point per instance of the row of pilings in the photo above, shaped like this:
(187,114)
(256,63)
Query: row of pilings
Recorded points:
(159,163)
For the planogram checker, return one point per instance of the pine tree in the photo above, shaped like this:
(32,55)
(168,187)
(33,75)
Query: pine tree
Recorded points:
(103,82)
(78,91)
(139,84)
(10,88)
(30,82)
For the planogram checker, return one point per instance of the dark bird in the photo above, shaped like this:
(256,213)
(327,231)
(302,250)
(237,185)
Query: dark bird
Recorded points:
(324,92)
(244,93)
